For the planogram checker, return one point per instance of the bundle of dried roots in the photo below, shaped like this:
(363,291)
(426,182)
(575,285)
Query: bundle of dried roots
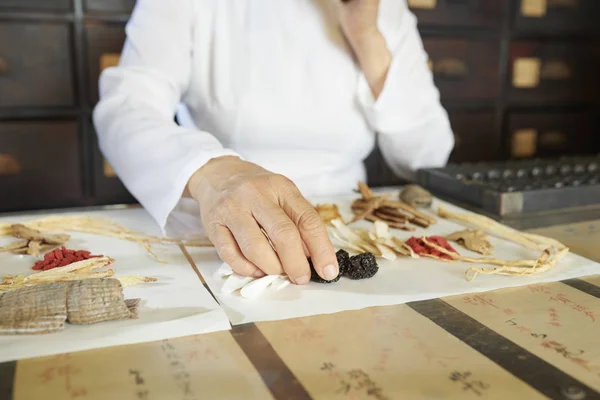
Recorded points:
(552,250)
(47,307)
(86,269)
(32,242)
(381,208)
(544,262)
(99,226)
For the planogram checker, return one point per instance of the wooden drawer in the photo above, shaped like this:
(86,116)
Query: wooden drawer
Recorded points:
(35,70)
(557,16)
(104,45)
(475,140)
(464,69)
(111,6)
(475,137)
(553,72)
(467,13)
(108,189)
(60,5)
(552,135)
(40,165)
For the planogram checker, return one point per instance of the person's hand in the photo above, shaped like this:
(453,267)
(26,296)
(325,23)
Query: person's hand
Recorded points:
(238,198)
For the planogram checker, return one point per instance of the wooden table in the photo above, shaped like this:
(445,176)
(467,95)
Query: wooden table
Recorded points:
(532,342)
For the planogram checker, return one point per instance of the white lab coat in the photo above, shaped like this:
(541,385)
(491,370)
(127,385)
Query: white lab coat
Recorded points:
(272,81)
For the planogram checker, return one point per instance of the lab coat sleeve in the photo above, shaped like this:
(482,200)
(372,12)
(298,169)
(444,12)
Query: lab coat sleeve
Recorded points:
(152,155)
(413,128)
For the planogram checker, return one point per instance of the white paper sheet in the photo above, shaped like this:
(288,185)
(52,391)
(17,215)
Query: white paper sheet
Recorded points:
(176,305)
(397,282)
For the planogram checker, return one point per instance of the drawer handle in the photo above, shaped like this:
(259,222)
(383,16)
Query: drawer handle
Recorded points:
(552,139)
(108,60)
(526,72)
(423,4)
(449,68)
(534,8)
(109,172)
(9,165)
(3,66)
(555,70)
(524,143)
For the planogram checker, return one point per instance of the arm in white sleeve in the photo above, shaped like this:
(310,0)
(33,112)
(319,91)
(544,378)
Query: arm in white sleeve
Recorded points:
(135,116)
(413,127)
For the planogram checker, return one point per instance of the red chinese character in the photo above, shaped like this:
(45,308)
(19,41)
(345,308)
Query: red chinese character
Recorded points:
(78,393)
(47,375)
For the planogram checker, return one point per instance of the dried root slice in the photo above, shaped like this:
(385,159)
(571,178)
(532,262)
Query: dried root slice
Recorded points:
(369,207)
(474,240)
(23,232)
(131,280)
(380,242)
(96,300)
(530,241)
(408,208)
(372,208)
(328,212)
(33,241)
(34,310)
(15,246)
(546,261)
(392,224)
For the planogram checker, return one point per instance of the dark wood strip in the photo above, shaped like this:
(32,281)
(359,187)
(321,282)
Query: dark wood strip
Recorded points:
(524,365)
(7,379)
(584,286)
(195,268)
(274,372)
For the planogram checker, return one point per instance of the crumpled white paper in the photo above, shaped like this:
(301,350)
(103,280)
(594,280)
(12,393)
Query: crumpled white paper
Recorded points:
(176,305)
(399,281)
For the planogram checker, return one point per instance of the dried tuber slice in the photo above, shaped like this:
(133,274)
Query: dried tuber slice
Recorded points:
(472,239)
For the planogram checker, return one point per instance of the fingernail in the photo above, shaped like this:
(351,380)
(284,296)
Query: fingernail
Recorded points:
(330,272)
(259,274)
(303,280)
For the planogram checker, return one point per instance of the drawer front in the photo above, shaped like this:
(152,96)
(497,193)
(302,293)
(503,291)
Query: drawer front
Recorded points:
(39,165)
(557,72)
(553,135)
(35,70)
(475,138)
(61,5)
(104,45)
(467,13)
(464,69)
(557,16)
(111,6)
(108,189)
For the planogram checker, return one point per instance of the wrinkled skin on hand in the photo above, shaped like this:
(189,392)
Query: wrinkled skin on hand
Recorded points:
(238,198)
